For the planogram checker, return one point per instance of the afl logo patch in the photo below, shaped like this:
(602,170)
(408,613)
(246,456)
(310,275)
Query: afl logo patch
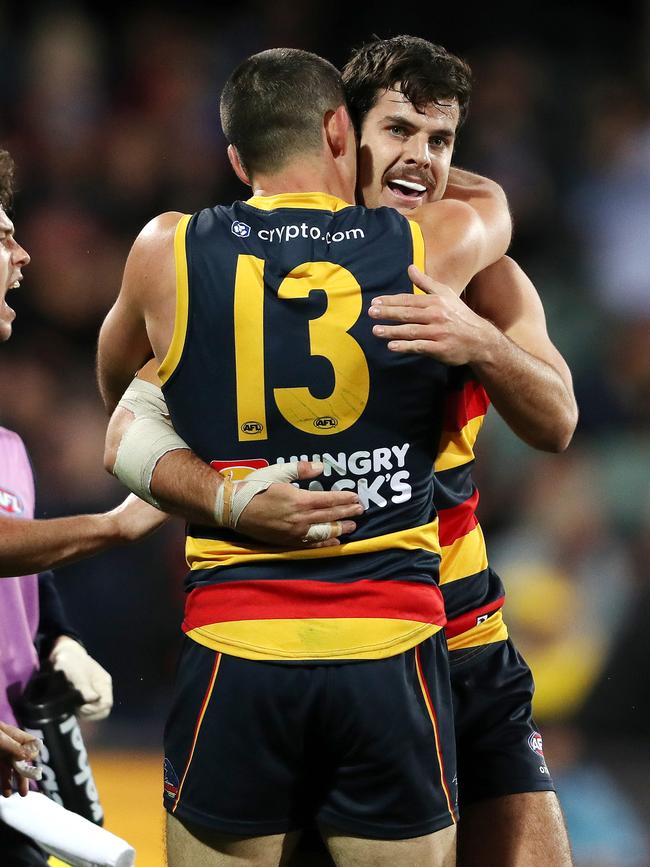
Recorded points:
(325,422)
(535,743)
(242,230)
(10,503)
(252,427)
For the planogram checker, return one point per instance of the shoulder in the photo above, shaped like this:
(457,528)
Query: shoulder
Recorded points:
(157,233)
(9,439)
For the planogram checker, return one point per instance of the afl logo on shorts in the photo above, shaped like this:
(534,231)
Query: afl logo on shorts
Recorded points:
(242,230)
(535,743)
(10,504)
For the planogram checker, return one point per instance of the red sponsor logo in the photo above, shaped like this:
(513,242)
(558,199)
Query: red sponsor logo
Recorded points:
(239,469)
(10,503)
(535,743)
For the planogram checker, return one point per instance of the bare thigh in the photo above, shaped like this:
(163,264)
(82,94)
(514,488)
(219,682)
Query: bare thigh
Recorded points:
(193,846)
(432,850)
(524,830)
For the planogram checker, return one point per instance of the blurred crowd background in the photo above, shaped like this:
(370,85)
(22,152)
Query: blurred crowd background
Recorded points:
(112,118)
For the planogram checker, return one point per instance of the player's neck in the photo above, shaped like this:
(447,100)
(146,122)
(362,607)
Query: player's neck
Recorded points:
(304,178)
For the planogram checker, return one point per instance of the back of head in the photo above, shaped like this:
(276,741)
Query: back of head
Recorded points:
(6,179)
(272,106)
(425,73)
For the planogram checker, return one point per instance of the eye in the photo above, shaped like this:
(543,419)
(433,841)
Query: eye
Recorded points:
(438,141)
(397,130)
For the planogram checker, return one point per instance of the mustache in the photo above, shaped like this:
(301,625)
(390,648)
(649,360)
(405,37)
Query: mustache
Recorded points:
(417,175)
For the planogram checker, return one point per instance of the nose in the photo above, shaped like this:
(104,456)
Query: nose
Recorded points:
(20,257)
(417,151)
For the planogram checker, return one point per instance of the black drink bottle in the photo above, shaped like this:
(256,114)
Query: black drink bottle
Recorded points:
(47,710)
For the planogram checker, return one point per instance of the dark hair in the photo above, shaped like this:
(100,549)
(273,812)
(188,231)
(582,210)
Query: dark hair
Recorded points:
(273,104)
(6,179)
(425,72)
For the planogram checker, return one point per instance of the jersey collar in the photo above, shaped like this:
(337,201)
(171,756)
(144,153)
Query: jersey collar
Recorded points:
(313,201)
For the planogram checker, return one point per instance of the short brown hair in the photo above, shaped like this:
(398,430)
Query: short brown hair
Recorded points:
(426,73)
(7,169)
(273,104)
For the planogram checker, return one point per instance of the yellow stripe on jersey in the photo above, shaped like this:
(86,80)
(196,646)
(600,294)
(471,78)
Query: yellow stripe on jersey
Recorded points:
(466,556)
(487,632)
(249,348)
(175,350)
(419,257)
(206,553)
(456,447)
(311,201)
(314,638)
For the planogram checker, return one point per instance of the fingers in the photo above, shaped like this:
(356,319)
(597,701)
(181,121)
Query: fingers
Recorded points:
(420,315)
(327,531)
(426,283)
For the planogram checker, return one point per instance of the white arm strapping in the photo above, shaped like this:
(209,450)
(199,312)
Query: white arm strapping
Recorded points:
(149,437)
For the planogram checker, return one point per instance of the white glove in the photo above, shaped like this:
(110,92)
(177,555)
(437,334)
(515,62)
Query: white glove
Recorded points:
(87,676)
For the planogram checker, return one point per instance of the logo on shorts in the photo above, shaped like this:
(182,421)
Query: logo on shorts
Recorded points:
(170,783)
(242,230)
(10,503)
(535,743)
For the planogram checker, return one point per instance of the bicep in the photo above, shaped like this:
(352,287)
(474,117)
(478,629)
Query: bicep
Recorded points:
(123,348)
(504,294)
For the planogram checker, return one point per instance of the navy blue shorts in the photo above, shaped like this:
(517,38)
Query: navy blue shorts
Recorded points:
(367,747)
(499,747)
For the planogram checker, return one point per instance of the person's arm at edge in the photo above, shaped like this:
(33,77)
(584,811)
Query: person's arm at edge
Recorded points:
(34,545)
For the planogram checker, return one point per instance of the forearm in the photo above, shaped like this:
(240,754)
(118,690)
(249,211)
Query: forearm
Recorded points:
(30,546)
(184,485)
(530,394)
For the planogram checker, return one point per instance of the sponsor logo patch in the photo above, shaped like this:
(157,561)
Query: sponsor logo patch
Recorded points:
(242,230)
(239,469)
(10,503)
(170,783)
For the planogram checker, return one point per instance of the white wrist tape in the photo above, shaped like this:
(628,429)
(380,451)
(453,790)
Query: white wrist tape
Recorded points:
(233,497)
(149,437)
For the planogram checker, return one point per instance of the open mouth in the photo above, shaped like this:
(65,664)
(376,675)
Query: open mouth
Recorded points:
(408,190)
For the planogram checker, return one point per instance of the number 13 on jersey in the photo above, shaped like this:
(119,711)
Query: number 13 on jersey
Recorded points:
(328,337)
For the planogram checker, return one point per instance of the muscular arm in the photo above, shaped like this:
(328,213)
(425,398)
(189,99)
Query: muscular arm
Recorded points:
(140,323)
(527,379)
(501,332)
(466,231)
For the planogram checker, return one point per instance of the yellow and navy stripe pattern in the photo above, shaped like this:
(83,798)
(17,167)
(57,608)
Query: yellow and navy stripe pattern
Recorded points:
(273,358)
(473,593)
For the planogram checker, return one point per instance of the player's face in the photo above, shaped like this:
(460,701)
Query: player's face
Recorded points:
(12,259)
(404,154)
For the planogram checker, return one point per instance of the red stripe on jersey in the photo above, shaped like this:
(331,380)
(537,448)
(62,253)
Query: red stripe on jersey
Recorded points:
(457,521)
(467,621)
(462,406)
(289,600)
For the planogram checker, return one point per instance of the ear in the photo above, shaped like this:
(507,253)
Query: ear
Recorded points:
(238,166)
(338,131)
